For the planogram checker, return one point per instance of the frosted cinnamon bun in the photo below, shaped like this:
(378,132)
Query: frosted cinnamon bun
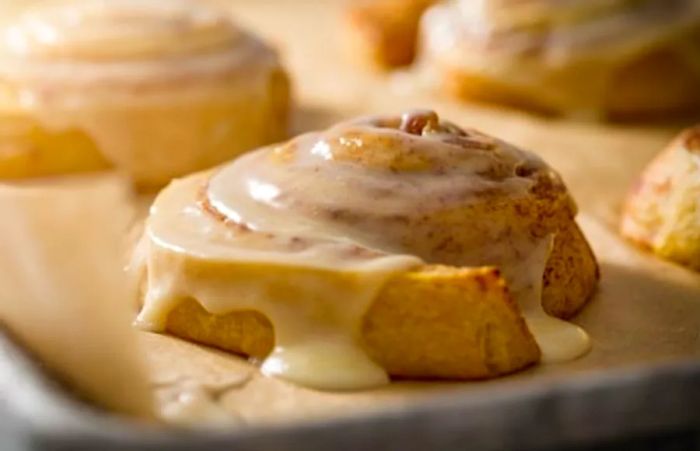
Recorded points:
(617,59)
(385,246)
(662,212)
(157,89)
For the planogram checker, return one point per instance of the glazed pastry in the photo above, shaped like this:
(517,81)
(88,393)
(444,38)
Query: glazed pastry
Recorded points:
(402,246)
(157,89)
(383,32)
(617,59)
(662,211)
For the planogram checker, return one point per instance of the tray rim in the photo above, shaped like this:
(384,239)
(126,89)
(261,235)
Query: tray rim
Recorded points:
(591,407)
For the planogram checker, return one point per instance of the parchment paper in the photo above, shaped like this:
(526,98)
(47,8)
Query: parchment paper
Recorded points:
(646,311)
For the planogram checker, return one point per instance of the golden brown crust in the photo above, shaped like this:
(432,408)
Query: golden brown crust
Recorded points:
(448,323)
(436,322)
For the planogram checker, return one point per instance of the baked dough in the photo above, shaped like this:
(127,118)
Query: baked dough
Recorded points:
(378,238)
(436,322)
(157,89)
(614,59)
(662,211)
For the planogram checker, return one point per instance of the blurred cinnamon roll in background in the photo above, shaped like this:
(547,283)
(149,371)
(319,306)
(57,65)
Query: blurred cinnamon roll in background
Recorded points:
(618,59)
(156,89)
(391,245)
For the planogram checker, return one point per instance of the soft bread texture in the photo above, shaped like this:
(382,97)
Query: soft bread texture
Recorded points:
(662,212)
(436,322)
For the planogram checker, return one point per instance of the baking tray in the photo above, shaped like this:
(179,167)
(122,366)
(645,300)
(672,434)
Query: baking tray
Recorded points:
(643,408)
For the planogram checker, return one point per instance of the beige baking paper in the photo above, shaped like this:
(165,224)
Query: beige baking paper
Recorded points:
(646,311)
(62,290)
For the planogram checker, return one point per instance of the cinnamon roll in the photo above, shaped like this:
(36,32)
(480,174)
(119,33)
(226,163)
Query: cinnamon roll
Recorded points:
(617,59)
(157,89)
(401,246)
(662,212)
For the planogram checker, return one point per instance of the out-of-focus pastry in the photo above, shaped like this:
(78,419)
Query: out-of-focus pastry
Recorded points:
(157,89)
(662,212)
(402,246)
(383,32)
(618,59)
